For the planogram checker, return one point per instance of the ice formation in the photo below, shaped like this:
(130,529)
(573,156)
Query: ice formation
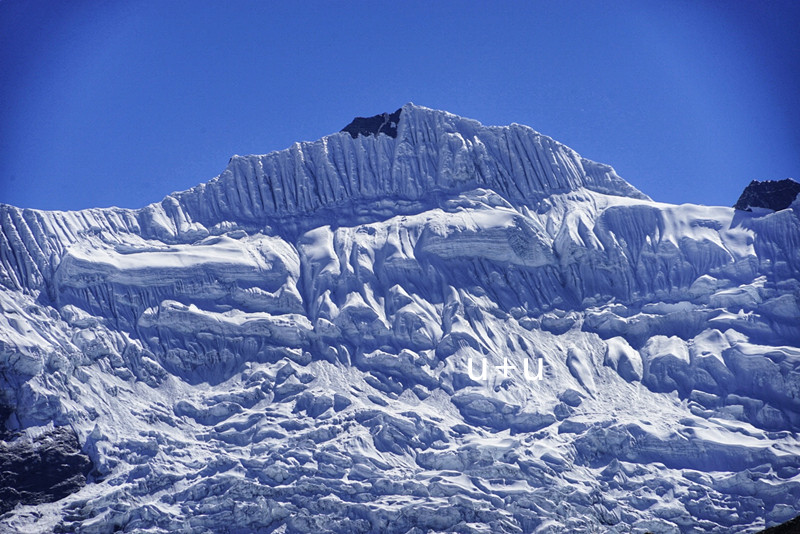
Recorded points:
(299,345)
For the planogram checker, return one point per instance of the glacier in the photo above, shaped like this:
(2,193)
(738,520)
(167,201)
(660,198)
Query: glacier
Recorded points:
(297,345)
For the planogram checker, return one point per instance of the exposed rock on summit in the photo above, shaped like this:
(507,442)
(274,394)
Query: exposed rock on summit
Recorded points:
(385,123)
(771,194)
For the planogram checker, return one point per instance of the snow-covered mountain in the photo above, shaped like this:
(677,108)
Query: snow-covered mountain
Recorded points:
(418,324)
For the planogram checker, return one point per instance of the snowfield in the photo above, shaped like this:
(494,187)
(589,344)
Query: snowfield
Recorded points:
(287,348)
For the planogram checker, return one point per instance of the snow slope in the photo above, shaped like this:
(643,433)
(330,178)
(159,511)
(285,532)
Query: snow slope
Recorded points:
(297,345)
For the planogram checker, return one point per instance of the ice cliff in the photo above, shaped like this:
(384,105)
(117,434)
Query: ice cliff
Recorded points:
(417,324)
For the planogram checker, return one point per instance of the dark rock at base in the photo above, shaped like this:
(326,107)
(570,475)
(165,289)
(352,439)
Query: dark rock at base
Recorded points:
(385,123)
(790,527)
(5,413)
(775,195)
(45,469)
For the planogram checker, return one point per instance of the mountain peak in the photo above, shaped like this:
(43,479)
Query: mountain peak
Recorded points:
(339,336)
(423,154)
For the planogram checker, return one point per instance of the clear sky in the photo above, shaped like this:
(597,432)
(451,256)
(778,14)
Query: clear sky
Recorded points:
(119,103)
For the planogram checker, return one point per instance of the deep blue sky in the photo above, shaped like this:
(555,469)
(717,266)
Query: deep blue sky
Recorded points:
(119,103)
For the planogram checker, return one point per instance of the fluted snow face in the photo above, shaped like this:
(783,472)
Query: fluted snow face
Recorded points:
(434,153)
(301,340)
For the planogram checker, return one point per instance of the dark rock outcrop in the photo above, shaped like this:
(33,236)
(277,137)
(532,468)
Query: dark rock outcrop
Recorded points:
(45,469)
(790,527)
(385,123)
(771,194)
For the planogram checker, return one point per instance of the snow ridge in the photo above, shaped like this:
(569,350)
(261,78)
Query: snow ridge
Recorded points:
(435,153)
